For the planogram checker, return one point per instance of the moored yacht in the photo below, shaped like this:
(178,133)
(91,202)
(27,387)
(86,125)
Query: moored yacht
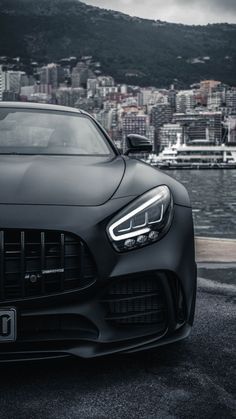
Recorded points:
(195,156)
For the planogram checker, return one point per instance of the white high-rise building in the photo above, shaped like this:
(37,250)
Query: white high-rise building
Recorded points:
(185,100)
(13,81)
(123,89)
(92,85)
(2,82)
(144,97)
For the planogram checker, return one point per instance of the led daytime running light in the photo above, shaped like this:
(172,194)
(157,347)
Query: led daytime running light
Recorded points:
(144,230)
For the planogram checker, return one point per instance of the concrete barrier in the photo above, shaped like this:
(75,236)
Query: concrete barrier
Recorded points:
(215,250)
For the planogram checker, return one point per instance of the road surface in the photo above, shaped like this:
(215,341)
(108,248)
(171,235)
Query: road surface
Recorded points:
(192,379)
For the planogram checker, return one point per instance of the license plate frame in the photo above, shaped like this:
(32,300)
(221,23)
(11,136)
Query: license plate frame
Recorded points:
(8,325)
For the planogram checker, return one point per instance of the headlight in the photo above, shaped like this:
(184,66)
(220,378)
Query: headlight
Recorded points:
(142,222)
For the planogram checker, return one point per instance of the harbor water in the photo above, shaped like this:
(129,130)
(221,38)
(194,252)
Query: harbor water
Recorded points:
(213,197)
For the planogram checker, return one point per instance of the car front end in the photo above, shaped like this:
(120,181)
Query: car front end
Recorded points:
(83,278)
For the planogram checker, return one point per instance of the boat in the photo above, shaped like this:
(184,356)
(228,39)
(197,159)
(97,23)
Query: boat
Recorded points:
(195,156)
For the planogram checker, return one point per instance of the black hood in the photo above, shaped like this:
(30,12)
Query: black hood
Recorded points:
(139,177)
(59,180)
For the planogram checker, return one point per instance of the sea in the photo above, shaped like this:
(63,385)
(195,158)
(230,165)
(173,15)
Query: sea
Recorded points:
(213,197)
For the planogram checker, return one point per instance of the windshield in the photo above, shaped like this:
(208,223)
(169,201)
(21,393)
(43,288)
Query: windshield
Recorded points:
(50,132)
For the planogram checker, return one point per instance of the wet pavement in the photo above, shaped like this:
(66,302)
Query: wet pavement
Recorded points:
(192,379)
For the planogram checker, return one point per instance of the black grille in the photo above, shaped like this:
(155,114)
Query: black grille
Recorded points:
(38,263)
(136,301)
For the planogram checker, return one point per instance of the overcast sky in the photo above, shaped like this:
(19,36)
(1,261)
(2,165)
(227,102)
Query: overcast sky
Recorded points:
(183,11)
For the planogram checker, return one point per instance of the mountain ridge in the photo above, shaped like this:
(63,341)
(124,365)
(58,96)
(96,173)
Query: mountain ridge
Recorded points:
(152,51)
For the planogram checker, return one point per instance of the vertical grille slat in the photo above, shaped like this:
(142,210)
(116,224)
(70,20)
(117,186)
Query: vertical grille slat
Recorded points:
(42,260)
(62,254)
(2,264)
(37,263)
(22,261)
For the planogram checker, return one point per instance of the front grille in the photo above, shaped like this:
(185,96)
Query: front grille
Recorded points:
(39,263)
(136,301)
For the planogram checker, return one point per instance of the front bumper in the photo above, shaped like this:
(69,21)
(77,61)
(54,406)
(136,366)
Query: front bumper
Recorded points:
(86,323)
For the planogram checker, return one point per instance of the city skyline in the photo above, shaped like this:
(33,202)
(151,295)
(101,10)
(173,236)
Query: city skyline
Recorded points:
(190,12)
(204,112)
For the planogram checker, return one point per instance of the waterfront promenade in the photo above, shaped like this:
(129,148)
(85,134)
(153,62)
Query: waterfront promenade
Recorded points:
(215,250)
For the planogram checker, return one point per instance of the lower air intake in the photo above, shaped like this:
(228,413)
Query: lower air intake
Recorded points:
(136,301)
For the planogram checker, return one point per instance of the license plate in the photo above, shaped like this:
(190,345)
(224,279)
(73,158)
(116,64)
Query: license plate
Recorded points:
(7,325)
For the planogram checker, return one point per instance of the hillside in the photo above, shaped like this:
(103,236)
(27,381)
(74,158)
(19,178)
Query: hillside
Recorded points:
(133,50)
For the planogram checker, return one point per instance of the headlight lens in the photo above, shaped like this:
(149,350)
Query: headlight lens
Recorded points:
(142,222)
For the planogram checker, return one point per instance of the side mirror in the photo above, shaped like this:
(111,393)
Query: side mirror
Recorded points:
(137,143)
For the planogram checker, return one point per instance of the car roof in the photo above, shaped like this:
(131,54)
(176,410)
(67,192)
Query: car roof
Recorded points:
(40,106)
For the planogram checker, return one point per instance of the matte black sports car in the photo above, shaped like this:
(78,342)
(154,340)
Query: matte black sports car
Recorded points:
(96,248)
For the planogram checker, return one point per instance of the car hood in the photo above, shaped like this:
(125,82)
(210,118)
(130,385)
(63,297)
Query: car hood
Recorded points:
(59,180)
(139,177)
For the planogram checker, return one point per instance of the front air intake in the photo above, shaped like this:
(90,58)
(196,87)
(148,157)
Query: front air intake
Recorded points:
(136,301)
